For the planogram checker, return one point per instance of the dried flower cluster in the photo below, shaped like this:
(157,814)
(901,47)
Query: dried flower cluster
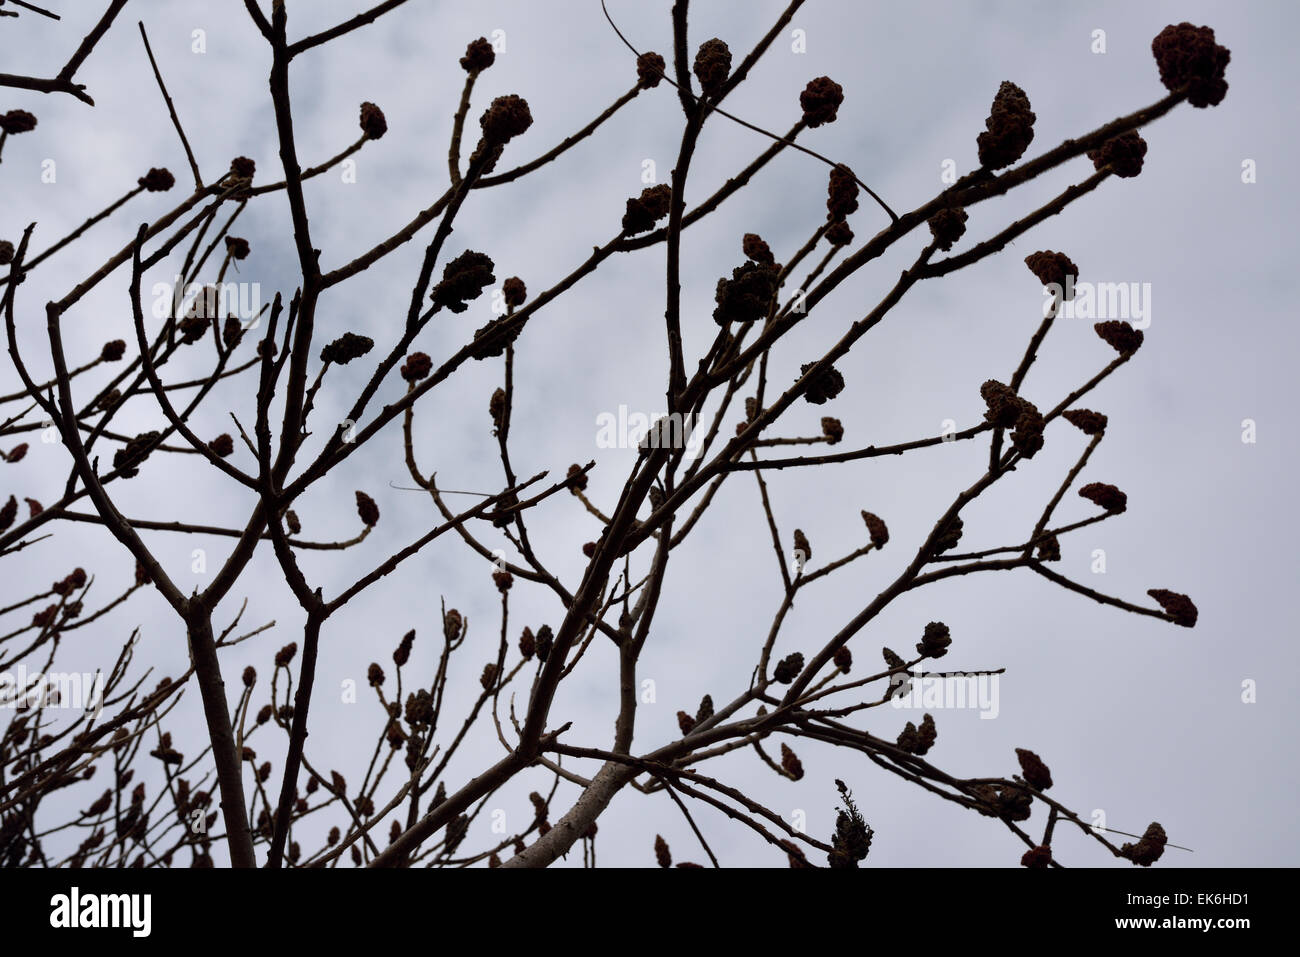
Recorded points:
(1009,128)
(463,281)
(748,294)
(1149,849)
(1189,60)
(712,66)
(820,101)
(479,55)
(1123,154)
(647,209)
(1105,496)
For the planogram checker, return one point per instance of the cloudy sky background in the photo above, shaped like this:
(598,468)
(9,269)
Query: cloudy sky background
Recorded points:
(1135,716)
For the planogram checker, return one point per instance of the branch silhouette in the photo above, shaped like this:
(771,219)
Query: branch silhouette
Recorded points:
(429,776)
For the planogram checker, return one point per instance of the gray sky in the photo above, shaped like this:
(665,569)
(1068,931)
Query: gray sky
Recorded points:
(1135,716)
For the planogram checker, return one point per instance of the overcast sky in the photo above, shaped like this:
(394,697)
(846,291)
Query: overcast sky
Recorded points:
(1135,716)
